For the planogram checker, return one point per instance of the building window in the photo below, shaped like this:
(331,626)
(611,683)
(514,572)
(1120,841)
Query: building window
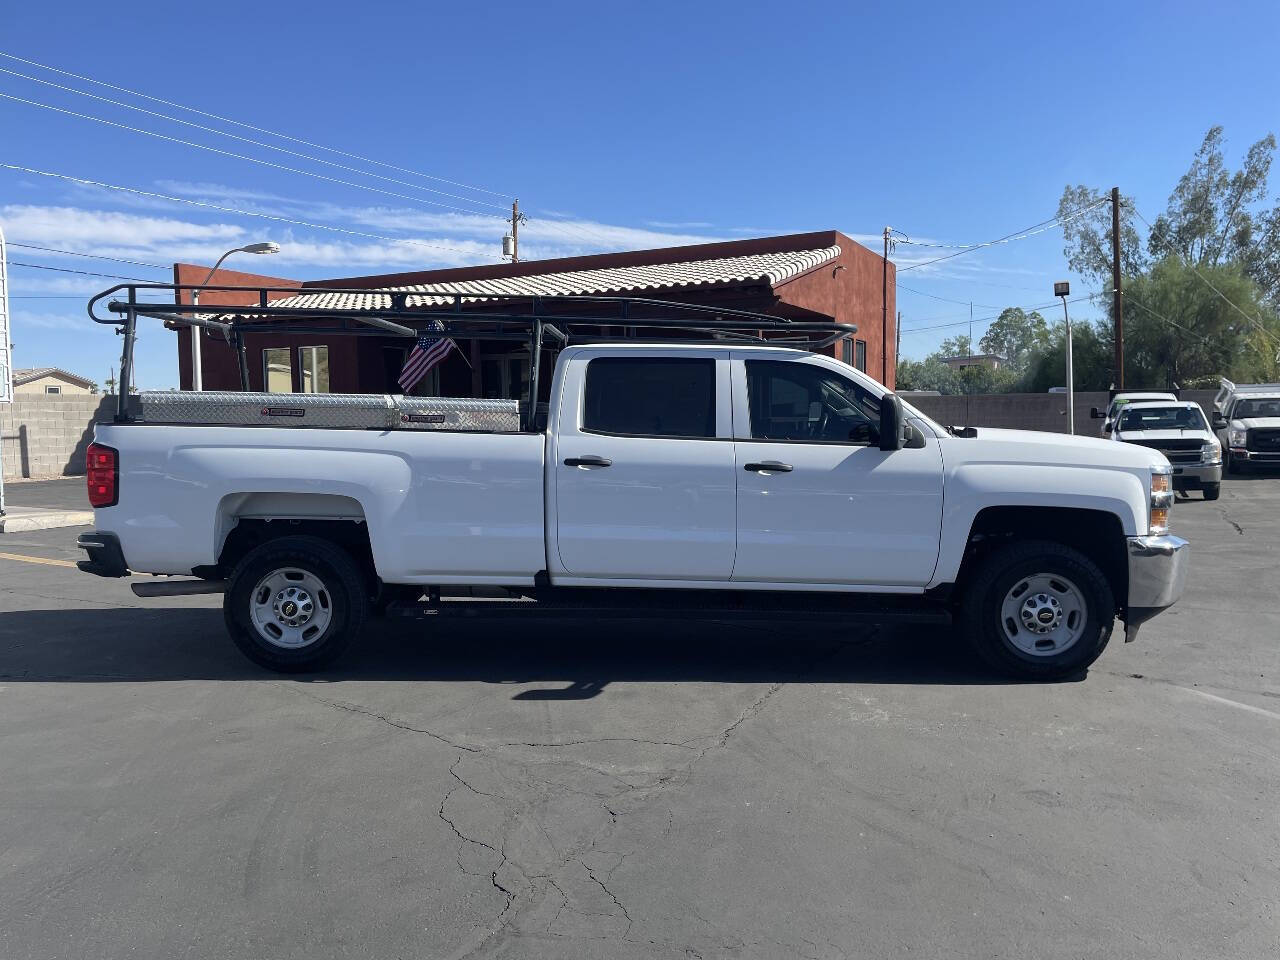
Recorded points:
(277,370)
(846,351)
(50,388)
(650,397)
(313,365)
(860,355)
(505,376)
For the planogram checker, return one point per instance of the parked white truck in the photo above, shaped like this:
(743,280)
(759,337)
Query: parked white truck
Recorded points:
(708,478)
(1246,417)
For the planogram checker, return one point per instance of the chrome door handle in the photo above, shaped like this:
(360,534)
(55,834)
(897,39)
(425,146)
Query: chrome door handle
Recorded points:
(588,461)
(769,466)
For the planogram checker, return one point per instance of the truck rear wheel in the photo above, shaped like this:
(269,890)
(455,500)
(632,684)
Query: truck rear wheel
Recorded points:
(295,604)
(1038,610)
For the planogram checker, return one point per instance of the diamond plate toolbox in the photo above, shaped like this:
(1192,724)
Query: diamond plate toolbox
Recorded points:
(328,410)
(444,413)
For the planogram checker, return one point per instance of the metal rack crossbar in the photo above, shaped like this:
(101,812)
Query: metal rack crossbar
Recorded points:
(517,317)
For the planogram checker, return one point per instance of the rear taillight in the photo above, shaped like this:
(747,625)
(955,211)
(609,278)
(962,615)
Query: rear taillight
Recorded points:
(103,475)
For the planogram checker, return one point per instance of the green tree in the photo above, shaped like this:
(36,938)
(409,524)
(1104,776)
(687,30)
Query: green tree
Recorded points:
(957,346)
(1217,230)
(1087,234)
(1213,216)
(1016,335)
(928,374)
(1177,328)
(1091,354)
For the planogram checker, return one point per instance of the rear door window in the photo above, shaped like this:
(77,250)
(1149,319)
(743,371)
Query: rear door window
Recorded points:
(650,397)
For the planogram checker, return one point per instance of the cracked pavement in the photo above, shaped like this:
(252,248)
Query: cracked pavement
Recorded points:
(673,790)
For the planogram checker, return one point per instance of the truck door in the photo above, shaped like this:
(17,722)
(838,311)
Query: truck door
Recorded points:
(644,466)
(818,500)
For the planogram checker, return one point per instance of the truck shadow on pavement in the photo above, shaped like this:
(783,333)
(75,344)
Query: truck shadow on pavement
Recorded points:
(573,658)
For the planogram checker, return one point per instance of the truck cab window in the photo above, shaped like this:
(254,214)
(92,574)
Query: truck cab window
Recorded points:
(650,397)
(806,403)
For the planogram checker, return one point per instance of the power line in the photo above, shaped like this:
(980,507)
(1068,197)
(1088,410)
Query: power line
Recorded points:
(961,323)
(91,256)
(241,156)
(1030,231)
(1159,316)
(249,126)
(84,273)
(931,296)
(234,210)
(249,140)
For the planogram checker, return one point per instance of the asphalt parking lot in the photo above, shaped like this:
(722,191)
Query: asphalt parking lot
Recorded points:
(665,789)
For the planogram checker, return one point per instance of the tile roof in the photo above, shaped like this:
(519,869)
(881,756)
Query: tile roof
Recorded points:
(770,268)
(27,374)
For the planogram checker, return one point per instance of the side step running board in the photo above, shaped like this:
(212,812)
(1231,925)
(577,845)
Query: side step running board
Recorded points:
(177,588)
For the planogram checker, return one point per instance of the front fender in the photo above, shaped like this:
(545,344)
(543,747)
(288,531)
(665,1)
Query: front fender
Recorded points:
(972,488)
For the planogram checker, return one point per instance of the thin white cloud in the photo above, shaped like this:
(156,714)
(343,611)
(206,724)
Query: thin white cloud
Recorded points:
(76,227)
(679,224)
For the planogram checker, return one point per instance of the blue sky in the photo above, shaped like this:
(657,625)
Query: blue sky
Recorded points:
(617,126)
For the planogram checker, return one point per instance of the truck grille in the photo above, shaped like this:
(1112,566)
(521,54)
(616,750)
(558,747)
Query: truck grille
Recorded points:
(1177,451)
(1264,441)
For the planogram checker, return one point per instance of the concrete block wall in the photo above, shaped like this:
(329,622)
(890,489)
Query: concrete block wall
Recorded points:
(45,435)
(1029,411)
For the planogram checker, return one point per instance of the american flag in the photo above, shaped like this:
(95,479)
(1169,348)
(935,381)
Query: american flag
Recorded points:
(430,349)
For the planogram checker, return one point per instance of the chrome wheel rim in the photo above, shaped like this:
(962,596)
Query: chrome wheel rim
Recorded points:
(290,608)
(1043,615)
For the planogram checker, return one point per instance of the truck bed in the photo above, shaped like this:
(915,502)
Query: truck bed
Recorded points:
(441,506)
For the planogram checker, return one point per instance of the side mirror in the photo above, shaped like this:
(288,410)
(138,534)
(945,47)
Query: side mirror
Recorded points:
(891,437)
(1096,413)
(1218,419)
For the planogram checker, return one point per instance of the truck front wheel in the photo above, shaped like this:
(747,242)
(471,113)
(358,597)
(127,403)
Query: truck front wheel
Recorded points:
(1038,610)
(295,604)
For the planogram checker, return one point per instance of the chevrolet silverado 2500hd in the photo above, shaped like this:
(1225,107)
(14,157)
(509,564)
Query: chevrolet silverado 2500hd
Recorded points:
(702,477)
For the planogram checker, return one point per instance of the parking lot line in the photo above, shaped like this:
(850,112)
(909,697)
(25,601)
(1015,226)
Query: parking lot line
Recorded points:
(26,559)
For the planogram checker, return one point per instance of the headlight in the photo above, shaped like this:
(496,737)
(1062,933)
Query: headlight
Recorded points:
(1211,452)
(1236,437)
(1161,501)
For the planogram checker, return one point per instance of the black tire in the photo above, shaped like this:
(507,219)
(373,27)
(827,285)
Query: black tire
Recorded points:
(1233,465)
(342,598)
(998,574)
(1212,491)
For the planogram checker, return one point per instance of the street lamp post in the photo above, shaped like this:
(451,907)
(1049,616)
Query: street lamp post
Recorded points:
(197,372)
(1063,290)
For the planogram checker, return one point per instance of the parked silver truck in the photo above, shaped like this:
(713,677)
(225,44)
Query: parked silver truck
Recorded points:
(1177,429)
(1246,418)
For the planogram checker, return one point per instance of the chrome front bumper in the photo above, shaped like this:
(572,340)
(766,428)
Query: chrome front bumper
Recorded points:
(1157,576)
(1197,474)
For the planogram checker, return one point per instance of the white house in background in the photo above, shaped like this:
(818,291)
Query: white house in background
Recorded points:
(51,380)
(994,361)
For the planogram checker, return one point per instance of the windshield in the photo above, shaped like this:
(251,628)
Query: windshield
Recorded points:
(1162,418)
(1257,407)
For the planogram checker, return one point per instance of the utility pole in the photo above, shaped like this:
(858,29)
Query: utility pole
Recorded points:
(1116,303)
(884,310)
(897,347)
(515,231)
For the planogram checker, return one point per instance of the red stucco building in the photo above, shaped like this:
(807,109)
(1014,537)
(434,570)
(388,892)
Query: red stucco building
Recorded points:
(806,276)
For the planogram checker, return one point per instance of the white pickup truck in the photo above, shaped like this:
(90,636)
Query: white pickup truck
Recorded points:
(696,478)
